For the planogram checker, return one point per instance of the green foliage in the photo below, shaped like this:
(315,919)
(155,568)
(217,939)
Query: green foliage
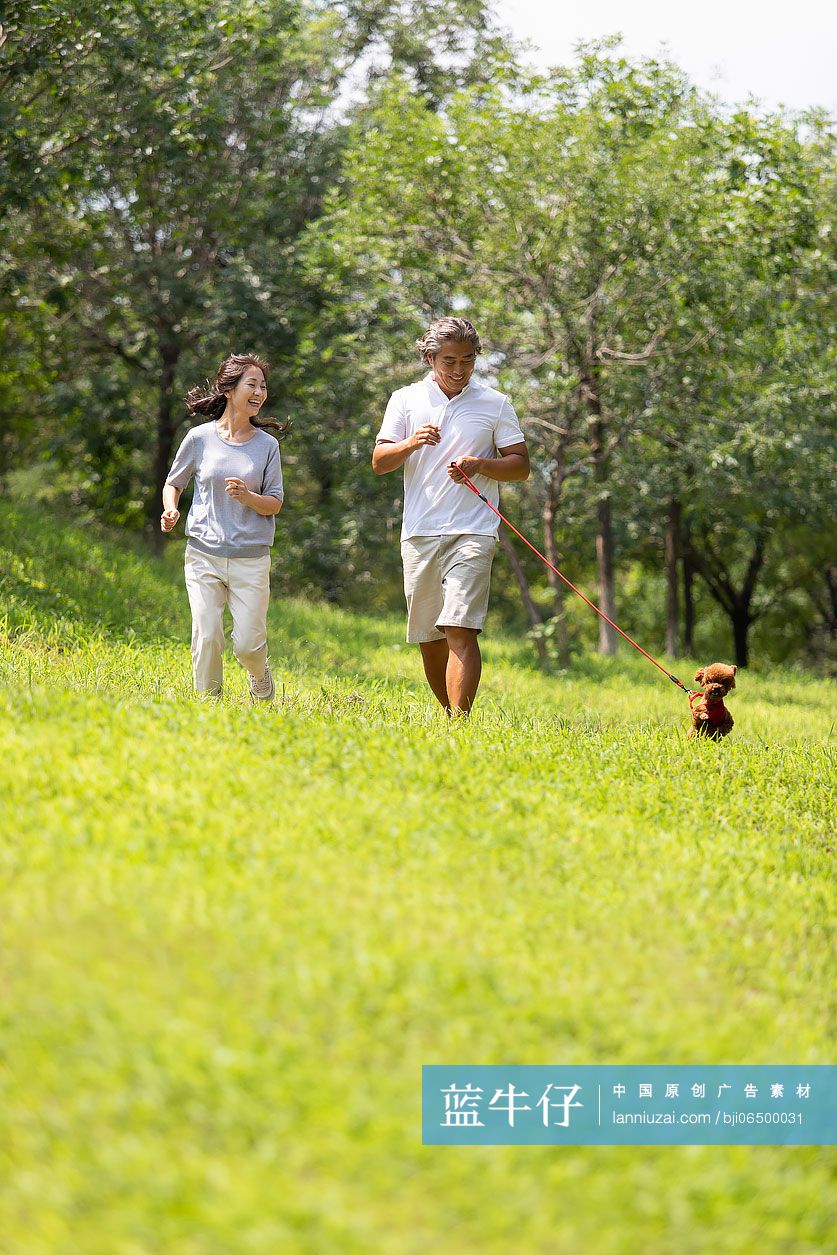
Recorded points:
(651,273)
(651,276)
(199,136)
(171,154)
(231,937)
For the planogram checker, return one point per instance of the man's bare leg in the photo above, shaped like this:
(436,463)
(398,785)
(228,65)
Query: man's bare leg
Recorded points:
(462,676)
(434,655)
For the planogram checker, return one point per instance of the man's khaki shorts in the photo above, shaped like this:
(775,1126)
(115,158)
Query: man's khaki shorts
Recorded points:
(446,581)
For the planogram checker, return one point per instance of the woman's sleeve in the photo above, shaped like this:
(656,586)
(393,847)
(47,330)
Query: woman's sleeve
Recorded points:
(272,478)
(183,466)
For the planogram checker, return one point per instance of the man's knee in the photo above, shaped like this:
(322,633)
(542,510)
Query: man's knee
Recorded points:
(462,639)
(434,649)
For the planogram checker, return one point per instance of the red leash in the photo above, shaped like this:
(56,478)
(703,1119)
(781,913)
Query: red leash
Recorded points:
(689,692)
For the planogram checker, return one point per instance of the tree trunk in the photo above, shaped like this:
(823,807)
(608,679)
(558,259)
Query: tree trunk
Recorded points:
(604,524)
(553,496)
(606,586)
(735,602)
(672,555)
(688,598)
(740,630)
(532,612)
(323,471)
(166,426)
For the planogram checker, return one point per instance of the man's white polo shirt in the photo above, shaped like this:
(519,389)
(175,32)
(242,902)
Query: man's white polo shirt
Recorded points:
(477,422)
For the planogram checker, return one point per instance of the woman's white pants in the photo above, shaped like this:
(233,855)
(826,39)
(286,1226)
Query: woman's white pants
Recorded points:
(244,585)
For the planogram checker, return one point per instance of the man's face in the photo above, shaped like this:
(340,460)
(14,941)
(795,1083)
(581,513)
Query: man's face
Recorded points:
(454,365)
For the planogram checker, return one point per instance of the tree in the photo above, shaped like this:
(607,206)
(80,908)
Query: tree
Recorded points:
(743,425)
(557,210)
(180,150)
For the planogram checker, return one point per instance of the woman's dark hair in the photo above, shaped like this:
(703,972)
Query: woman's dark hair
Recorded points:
(210,398)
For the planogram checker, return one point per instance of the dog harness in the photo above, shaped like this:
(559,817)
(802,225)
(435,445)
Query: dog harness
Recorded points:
(714,713)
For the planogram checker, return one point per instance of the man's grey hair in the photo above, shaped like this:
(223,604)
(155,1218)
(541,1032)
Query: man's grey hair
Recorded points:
(447,329)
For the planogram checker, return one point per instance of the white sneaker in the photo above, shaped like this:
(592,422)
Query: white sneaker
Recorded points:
(263,690)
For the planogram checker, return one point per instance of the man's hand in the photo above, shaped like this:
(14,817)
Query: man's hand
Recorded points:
(388,455)
(237,489)
(513,463)
(470,465)
(168,520)
(428,434)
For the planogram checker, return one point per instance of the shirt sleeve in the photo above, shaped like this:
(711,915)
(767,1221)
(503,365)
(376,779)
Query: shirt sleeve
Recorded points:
(507,429)
(394,426)
(272,477)
(183,466)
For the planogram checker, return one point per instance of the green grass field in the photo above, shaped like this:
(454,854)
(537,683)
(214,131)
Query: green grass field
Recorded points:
(230,937)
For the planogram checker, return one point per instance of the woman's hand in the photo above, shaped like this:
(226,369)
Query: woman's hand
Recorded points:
(237,489)
(168,520)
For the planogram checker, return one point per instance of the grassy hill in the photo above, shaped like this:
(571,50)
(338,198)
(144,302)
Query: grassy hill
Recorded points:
(230,937)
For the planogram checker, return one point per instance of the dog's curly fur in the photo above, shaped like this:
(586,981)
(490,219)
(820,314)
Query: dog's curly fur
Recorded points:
(710,717)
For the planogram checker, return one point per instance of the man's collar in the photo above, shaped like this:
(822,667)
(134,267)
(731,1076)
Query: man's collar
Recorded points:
(471,386)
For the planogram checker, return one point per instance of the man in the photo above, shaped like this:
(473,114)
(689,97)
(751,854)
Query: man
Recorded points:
(449,536)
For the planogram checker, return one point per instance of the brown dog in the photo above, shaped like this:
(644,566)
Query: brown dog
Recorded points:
(710,716)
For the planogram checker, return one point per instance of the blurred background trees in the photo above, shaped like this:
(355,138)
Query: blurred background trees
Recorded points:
(649,269)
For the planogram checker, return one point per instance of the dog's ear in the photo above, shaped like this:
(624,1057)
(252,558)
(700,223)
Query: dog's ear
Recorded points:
(699,676)
(735,670)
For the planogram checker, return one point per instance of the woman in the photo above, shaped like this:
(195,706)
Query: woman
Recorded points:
(231,523)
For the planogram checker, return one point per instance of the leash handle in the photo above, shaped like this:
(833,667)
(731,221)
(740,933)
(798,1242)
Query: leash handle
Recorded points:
(569,584)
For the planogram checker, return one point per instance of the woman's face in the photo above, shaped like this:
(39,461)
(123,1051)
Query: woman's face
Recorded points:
(250,393)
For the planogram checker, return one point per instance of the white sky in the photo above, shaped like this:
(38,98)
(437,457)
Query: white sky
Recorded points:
(780,51)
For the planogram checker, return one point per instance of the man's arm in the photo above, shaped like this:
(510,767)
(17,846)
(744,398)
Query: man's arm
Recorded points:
(388,455)
(512,464)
